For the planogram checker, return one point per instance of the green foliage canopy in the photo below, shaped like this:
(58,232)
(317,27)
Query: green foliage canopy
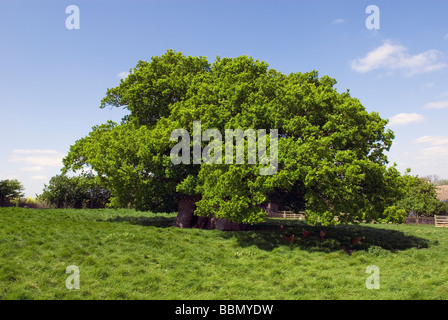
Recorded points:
(10,189)
(420,197)
(84,191)
(330,150)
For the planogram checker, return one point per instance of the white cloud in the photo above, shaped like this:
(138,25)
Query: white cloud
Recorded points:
(338,21)
(37,158)
(34,151)
(434,153)
(406,118)
(32,169)
(436,105)
(7,176)
(430,161)
(123,74)
(391,56)
(434,140)
(40,178)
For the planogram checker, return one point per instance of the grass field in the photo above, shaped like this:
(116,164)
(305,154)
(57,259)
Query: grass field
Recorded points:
(124,254)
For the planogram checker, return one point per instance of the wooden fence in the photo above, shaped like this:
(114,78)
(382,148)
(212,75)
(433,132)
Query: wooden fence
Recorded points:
(287,215)
(441,221)
(419,220)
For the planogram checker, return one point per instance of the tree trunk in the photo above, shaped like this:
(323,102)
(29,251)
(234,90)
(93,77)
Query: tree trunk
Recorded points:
(187,219)
(185,216)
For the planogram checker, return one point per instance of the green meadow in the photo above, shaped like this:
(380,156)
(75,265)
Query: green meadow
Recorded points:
(125,254)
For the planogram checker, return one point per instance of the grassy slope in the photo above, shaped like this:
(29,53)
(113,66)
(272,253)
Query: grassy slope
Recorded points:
(123,254)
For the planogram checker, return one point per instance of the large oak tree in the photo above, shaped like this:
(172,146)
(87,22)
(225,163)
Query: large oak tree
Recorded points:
(331,151)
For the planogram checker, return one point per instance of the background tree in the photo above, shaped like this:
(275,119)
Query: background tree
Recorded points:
(420,197)
(435,179)
(10,190)
(331,150)
(84,191)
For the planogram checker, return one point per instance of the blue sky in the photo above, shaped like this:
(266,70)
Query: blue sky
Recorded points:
(52,79)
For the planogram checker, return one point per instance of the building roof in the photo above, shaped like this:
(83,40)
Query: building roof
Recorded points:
(442,192)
